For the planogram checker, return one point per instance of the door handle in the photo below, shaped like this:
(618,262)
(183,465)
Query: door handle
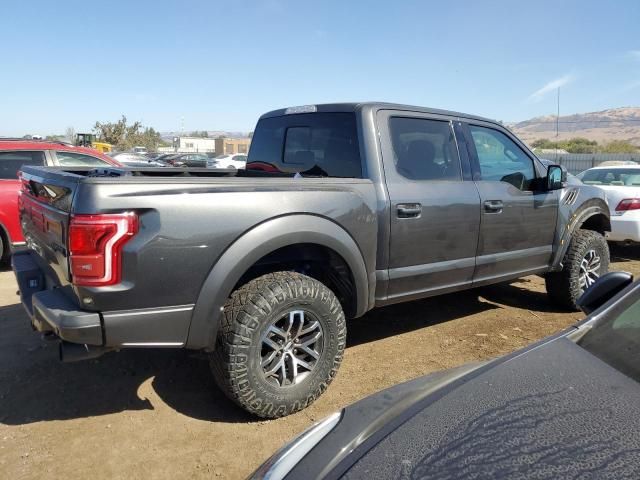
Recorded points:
(493,206)
(409,210)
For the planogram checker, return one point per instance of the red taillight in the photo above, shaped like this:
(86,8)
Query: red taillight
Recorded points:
(628,204)
(95,246)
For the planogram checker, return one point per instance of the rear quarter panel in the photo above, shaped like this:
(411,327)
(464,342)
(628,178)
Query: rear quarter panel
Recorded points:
(185,226)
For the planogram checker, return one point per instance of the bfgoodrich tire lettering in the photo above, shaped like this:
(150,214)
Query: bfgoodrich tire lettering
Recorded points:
(565,287)
(237,362)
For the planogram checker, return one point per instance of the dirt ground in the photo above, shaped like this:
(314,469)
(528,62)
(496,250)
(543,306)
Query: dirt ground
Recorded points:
(157,414)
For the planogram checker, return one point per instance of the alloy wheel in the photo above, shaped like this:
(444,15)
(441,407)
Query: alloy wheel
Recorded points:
(291,347)
(589,269)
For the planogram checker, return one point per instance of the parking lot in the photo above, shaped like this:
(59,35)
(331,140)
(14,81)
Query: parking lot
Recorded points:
(151,413)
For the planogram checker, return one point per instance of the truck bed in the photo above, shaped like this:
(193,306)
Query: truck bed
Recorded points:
(188,219)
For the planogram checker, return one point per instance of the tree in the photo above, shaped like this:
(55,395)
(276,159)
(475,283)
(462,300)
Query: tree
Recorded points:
(124,136)
(573,145)
(543,143)
(579,145)
(619,146)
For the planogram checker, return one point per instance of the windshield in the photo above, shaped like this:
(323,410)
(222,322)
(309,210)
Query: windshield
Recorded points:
(622,177)
(616,339)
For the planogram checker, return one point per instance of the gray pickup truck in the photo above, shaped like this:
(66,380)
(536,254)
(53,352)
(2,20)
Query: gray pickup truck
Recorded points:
(342,208)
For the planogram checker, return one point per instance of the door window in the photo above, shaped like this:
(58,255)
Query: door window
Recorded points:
(424,149)
(11,162)
(501,159)
(70,159)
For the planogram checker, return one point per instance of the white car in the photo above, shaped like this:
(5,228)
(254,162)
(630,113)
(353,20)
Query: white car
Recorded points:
(622,186)
(236,161)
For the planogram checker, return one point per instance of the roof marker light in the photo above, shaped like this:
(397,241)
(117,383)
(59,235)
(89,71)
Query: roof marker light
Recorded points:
(301,109)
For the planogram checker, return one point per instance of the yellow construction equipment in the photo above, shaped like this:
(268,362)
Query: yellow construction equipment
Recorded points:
(88,140)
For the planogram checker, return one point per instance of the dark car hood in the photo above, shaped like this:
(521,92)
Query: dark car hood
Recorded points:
(554,411)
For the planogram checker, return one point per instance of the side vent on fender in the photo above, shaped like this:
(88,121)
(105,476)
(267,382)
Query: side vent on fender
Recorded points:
(571,197)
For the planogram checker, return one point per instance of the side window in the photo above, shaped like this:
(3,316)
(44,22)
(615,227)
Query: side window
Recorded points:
(424,149)
(501,159)
(70,159)
(11,162)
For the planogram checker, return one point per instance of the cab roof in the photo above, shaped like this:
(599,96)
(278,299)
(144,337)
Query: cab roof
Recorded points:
(357,106)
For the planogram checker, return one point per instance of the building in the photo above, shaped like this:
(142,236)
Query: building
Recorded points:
(194,144)
(232,145)
(219,146)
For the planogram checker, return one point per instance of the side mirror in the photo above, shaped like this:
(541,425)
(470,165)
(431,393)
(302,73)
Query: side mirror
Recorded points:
(603,290)
(556,177)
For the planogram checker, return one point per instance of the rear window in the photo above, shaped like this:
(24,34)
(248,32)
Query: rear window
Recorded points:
(312,144)
(11,162)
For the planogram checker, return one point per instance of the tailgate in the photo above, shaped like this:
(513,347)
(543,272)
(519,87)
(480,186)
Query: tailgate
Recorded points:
(45,209)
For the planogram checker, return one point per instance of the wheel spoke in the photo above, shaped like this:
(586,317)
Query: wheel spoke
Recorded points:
(310,352)
(310,328)
(310,340)
(269,358)
(268,341)
(302,363)
(278,365)
(290,320)
(293,362)
(278,331)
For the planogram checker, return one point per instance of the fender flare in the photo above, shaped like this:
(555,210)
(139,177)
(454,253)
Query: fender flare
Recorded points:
(588,209)
(254,244)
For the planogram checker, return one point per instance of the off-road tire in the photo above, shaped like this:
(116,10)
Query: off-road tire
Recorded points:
(563,287)
(236,361)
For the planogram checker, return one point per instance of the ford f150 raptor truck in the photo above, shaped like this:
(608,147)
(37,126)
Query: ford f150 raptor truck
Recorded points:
(342,208)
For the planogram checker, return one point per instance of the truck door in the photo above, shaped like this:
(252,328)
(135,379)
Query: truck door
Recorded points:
(435,212)
(518,219)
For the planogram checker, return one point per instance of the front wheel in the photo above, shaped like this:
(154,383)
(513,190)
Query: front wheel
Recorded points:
(280,344)
(586,260)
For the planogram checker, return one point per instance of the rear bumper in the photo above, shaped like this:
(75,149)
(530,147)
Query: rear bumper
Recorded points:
(624,227)
(50,310)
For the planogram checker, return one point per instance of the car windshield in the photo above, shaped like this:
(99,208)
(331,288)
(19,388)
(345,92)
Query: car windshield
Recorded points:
(622,177)
(616,339)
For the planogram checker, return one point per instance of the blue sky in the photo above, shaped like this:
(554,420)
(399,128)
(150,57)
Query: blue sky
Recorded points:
(220,64)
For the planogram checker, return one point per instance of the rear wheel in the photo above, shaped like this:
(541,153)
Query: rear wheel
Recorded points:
(4,249)
(586,260)
(280,344)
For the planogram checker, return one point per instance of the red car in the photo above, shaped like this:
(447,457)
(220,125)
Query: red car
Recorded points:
(17,152)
